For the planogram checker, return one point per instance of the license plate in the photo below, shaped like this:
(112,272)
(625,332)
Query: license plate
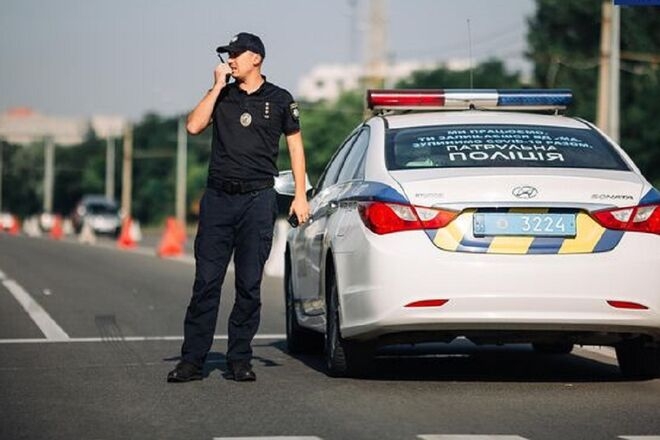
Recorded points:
(522,224)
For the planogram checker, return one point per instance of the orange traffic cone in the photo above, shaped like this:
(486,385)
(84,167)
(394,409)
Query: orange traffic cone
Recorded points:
(171,245)
(56,231)
(15,226)
(125,240)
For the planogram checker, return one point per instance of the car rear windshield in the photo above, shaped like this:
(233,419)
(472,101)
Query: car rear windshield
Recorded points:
(101,208)
(500,146)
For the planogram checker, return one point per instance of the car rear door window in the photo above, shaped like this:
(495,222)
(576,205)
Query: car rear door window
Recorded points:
(354,163)
(500,146)
(332,169)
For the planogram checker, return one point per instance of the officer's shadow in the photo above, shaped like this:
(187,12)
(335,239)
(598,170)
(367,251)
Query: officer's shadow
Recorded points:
(218,361)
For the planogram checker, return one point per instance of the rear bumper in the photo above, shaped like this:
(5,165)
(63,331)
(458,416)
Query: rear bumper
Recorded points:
(518,295)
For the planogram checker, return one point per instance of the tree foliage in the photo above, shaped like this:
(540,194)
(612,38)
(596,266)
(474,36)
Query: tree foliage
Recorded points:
(324,126)
(490,74)
(564,46)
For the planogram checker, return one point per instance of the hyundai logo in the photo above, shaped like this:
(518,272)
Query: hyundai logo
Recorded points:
(525,192)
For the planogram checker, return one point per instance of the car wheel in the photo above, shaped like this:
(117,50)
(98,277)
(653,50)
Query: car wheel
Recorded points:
(553,348)
(343,357)
(299,340)
(638,359)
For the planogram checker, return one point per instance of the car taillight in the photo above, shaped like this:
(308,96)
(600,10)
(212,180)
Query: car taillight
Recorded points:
(384,218)
(645,218)
(626,305)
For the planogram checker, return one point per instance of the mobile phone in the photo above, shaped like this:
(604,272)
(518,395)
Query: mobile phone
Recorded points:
(293,220)
(227,77)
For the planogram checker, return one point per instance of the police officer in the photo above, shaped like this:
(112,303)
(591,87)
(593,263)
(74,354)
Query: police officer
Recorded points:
(238,208)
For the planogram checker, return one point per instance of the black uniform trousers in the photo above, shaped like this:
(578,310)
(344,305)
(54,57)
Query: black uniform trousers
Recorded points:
(242,224)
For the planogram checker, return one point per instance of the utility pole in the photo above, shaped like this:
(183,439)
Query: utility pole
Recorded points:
(2,143)
(110,167)
(181,166)
(607,112)
(127,171)
(353,40)
(49,173)
(615,74)
(602,111)
(376,45)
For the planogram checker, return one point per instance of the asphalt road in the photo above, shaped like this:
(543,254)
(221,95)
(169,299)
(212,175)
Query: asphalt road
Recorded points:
(88,334)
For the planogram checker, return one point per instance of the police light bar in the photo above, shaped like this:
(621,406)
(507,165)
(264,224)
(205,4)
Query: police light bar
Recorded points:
(466,99)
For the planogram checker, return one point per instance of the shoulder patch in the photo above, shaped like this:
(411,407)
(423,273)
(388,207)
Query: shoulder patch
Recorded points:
(295,112)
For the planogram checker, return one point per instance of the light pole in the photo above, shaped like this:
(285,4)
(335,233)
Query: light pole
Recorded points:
(2,143)
(110,167)
(181,165)
(49,173)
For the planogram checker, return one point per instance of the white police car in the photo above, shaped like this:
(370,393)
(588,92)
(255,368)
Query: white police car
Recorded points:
(499,226)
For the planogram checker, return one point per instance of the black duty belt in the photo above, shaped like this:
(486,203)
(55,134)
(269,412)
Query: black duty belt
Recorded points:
(240,186)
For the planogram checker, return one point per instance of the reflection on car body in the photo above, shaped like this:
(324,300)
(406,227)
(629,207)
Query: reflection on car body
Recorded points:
(494,225)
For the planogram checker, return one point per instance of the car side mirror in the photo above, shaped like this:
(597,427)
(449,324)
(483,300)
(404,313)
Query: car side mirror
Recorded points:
(286,185)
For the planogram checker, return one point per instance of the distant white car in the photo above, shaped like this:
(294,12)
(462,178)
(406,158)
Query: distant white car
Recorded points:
(6,221)
(100,213)
(499,226)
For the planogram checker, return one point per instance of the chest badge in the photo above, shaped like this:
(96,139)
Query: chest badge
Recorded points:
(246,119)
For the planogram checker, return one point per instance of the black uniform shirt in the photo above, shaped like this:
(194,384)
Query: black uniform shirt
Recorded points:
(247,130)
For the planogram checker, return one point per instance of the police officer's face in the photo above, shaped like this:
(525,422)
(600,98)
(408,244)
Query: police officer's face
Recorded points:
(243,63)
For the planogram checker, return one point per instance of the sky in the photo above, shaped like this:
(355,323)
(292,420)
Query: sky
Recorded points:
(130,57)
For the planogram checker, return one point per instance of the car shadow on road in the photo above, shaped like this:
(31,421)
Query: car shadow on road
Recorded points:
(465,362)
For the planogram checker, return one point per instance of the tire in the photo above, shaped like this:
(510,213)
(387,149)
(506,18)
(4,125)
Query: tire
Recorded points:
(299,340)
(343,358)
(553,348)
(638,359)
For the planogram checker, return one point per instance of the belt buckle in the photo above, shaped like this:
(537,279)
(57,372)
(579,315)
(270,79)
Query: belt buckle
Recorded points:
(231,187)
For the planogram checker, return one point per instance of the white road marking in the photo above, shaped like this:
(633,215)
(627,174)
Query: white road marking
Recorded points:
(46,324)
(469,437)
(273,437)
(270,337)
(47,292)
(2,276)
(640,437)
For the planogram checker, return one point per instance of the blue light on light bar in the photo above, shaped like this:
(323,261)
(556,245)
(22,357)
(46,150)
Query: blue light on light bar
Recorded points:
(534,97)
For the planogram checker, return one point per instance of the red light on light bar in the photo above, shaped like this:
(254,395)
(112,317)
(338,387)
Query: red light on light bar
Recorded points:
(627,305)
(428,303)
(405,99)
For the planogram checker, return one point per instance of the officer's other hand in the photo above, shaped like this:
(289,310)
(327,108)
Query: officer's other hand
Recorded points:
(221,74)
(300,207)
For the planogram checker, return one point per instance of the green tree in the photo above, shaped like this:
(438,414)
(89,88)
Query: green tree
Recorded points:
(22,177)
(490,74)
(564,44)
(325,125)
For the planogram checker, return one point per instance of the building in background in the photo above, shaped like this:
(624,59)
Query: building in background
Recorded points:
(24,126)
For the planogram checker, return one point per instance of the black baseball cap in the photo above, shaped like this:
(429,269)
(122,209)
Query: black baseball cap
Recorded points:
(242,42)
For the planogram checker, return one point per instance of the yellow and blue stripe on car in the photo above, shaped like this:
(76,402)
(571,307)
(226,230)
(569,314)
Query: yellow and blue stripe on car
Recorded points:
(591,237)
(458,236)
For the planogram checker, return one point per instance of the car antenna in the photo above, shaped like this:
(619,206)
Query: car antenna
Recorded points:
(470,54)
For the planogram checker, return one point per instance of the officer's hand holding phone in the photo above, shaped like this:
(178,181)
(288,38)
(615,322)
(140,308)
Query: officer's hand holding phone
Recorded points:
(293,220)
(226,71)
(222,73)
